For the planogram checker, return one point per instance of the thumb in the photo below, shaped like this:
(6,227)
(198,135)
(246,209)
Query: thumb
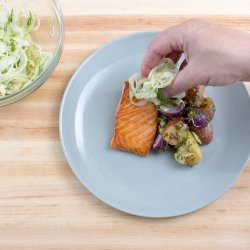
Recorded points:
(185,79)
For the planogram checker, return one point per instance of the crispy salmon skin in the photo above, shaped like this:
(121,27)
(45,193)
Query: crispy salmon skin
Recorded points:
(135,126)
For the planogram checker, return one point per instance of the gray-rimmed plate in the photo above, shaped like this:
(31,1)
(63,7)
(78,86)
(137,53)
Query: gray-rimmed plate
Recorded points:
(152,186)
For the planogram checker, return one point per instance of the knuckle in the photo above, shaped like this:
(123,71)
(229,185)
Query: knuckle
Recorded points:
(193,23)
(194,20)
(152,52)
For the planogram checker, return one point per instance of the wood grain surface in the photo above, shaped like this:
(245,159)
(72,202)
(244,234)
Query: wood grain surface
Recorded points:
(42,204)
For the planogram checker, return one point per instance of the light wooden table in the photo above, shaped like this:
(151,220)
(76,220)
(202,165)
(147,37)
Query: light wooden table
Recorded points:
(43,206)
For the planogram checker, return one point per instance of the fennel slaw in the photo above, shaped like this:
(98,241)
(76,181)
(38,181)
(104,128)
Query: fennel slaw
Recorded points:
(21,59)
(146,89)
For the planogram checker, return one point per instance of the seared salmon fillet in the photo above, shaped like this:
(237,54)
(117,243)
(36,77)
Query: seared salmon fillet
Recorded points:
(135,126)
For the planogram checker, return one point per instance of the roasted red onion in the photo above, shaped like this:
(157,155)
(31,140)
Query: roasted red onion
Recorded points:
(159,144)
(196,117)
(172,110)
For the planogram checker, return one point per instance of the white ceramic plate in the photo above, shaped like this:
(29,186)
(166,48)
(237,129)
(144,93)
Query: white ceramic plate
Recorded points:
(153,186)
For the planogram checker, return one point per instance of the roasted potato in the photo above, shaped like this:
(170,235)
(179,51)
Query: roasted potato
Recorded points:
(195,95)
(188,153)
(207,105)
(175,132)
(205,134)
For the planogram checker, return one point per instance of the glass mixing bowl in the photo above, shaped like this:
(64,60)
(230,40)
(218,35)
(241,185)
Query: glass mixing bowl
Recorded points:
(49,36)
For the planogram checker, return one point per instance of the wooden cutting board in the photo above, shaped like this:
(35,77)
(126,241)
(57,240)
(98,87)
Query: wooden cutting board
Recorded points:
(43,205)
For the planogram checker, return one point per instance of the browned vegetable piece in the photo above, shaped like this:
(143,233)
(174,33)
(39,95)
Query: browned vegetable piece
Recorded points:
(188,153)
(205,134)
(175,132)
(194,95)
(207,105)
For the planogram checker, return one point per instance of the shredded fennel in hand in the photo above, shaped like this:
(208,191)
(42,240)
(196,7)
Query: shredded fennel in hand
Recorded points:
(147,88)
(21,59)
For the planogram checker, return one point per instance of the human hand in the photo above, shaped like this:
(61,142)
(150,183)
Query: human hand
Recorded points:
(215,55)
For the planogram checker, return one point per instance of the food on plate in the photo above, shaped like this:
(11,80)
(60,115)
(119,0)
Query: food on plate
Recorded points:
(205,134)
(173,108)
(147,119)
(135,126)
(193,96)
(196,117)
(160,145)
(207,105)
(188,153)
(21,59)
(175,132)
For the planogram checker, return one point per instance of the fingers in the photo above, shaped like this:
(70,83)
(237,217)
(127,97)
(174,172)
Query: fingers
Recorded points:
(168,42)
(183,65)
(175,56)
(185,79)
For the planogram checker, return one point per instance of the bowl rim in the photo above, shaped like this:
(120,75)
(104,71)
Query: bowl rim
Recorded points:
(53,60)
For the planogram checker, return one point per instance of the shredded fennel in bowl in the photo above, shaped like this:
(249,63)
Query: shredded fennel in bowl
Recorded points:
(21,59)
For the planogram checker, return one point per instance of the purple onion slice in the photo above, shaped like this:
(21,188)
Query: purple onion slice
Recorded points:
(172,109)
(159,144)
(197,117)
